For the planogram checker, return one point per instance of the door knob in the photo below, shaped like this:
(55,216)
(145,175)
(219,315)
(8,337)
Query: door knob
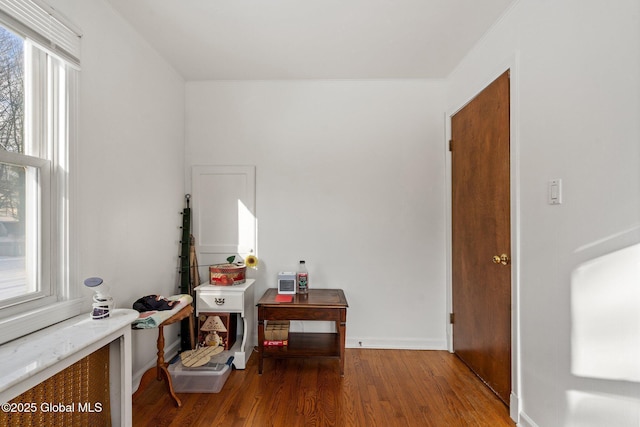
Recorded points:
(501,259)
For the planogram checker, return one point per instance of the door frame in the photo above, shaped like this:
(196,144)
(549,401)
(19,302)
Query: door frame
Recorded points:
(514,120)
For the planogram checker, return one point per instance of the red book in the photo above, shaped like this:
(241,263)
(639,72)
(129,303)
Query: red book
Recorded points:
(284,298)
(279,343)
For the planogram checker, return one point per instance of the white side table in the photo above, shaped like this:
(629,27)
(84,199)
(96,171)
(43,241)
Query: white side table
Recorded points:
(232,299)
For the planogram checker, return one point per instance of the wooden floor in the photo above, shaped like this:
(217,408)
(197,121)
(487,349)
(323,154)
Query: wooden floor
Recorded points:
(380,388)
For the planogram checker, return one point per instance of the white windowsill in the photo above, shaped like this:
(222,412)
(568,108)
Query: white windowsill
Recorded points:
(28,322)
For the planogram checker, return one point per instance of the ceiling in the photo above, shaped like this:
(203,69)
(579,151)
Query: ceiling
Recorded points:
(312,39)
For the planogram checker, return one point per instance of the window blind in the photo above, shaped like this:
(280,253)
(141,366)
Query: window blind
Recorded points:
(40,22)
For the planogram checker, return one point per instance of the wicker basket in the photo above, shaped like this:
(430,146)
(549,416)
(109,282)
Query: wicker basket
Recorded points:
(227,274)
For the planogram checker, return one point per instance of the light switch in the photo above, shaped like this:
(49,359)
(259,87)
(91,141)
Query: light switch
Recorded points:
(555,192)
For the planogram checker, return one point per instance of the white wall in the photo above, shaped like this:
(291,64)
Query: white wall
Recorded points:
(350,178)
(130,164)
(577,86)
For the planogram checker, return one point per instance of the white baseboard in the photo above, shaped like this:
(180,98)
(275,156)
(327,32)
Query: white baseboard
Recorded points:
(396,343)
(525,421)
(514,407)
(170,352)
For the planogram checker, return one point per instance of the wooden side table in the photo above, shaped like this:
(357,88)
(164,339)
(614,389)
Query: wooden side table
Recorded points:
(161,371)
(318,304)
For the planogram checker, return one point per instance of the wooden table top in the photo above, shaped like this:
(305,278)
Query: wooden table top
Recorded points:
(326,298)
(182,314)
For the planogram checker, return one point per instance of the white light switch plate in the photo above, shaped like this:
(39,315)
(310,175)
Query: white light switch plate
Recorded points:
(555,191)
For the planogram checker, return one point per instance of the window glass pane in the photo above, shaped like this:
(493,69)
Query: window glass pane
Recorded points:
(13,263)
(11,92)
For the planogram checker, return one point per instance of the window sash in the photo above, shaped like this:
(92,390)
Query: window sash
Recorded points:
(39,260)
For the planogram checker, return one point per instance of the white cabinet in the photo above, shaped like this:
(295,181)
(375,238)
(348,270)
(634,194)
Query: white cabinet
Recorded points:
(237,299)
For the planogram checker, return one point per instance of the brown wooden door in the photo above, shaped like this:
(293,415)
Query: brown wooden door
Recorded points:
(481,230)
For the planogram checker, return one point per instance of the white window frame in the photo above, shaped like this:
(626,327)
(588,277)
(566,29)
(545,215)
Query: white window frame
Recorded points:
(50,122)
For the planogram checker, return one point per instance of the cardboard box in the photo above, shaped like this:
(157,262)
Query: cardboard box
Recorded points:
(277,330)
(217,329)
(276,333)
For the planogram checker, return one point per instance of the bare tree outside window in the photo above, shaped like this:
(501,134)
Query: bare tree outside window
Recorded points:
(11,91)
(12,177)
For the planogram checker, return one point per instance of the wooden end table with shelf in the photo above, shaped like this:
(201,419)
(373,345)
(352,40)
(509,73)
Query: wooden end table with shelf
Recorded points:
(318,304)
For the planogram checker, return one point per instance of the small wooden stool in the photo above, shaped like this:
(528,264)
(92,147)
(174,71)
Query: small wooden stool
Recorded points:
(161,371)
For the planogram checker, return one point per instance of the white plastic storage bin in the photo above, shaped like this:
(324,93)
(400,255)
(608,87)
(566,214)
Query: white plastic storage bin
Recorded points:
(205,379)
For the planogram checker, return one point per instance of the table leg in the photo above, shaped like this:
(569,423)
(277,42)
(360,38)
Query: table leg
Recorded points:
(260,345)
(342,330)
(161,371)
(160,360)
(167,378)
(192,336)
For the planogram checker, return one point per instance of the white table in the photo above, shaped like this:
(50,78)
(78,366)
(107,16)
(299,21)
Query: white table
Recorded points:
(232,299)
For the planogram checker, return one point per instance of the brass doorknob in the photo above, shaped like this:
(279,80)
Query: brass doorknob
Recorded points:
(504,259)
(501,259)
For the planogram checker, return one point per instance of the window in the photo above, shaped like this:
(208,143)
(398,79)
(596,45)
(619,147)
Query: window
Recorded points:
(37,115)
(24,176)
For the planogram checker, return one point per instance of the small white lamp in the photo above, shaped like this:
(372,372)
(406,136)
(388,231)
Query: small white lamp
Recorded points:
(102,301)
